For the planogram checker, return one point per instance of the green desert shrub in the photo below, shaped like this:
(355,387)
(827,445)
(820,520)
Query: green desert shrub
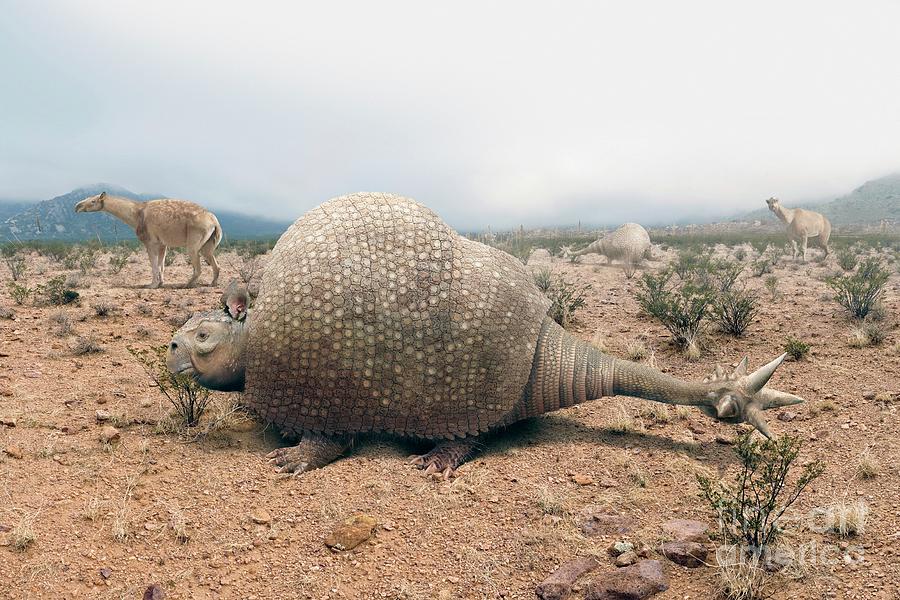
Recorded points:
(734,310)
(19,292)
(56,292)
(543,279)
(847,259)
(567,299)
(16,264)
(860,292)
(680,307)
(795,348)
(189,398)
(749,510)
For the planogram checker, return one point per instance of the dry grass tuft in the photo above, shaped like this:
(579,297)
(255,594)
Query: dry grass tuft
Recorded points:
(847,519)
(741,576)
(23,535)
(636,350)
(86,345)
(868,467)
(620,421)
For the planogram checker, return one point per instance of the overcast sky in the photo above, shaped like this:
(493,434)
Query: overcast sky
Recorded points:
(494,113)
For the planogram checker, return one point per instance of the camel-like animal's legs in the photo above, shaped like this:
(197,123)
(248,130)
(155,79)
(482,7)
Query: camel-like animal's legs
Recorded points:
(161,263)
(794,249)
(153,252)
(803,244)
(207,251)
(193,249)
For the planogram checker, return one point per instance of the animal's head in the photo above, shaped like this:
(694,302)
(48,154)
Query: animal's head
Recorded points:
(210,346)
(773,203)
(92,204)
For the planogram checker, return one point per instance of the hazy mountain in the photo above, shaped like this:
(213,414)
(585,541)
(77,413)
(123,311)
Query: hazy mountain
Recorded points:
(869,203)
(55,219)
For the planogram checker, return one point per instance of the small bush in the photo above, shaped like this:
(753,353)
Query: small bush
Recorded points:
(868,333)
(567,299)
(772,285)
(17,266)
(680,308)
(119,258)
(861,292)
(761,267)
(847,259)
(6,313)
(740,254)
(64,325)
(636,350)
(795,348)
(103,308)
(189,398)
(57,292)
(543,279)
(734,310)
(18,292)
(86,345)
(749,510)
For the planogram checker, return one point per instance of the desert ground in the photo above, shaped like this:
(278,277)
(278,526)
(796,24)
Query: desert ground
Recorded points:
(201,514)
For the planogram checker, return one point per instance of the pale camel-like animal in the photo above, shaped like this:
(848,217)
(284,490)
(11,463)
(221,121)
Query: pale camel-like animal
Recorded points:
(162,223)
(802,225)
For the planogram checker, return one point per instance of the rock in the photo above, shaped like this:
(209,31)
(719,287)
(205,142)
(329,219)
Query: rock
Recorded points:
(787,416)
(582,479)
(559,584)
(620,547)
(594,522)
(724,440)
(351,533)
(868,395)
(260,516)
(626,558)
(686,530)
(109,435)
(102,416)
(105,572)
(14,451)
(154,592)
(8,421)
(640,580)
(686,554)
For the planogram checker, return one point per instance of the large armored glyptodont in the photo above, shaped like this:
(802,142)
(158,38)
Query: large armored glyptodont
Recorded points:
(374,316)
(629,243)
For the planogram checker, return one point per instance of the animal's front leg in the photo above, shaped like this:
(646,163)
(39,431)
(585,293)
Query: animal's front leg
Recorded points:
(803,244)
(161,263)
(794,251)
(156,277)
(315,450)
(446,456)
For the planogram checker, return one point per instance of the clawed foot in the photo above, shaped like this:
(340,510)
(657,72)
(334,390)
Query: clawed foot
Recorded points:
(314,450)
(441,462)
(291,460)
(434,466)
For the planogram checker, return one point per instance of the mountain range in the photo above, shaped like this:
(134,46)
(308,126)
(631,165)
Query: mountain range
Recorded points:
(55,219)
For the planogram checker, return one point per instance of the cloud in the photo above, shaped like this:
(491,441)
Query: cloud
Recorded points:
(491,113)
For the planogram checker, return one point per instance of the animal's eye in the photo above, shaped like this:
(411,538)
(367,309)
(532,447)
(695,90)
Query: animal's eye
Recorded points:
(202,335)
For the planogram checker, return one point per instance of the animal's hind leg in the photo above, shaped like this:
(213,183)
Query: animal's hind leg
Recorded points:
(443,459)
(194,253)
(315,450)
(207,251)
(161,263)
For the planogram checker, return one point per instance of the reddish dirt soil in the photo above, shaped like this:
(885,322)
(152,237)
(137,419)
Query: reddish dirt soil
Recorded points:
(157,507)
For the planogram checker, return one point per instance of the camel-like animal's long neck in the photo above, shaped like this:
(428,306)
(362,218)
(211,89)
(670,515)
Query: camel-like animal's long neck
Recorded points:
(124,209)
(567,371)
(785,214)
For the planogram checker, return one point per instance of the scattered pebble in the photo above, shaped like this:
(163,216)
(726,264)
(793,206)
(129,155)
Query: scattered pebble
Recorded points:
(14,451)
(351,533)
(109,435)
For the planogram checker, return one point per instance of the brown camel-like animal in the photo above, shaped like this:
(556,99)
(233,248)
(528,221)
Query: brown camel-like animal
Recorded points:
(163,223)
(802,225)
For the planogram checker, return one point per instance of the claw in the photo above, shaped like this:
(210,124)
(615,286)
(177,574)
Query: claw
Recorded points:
(753,415)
